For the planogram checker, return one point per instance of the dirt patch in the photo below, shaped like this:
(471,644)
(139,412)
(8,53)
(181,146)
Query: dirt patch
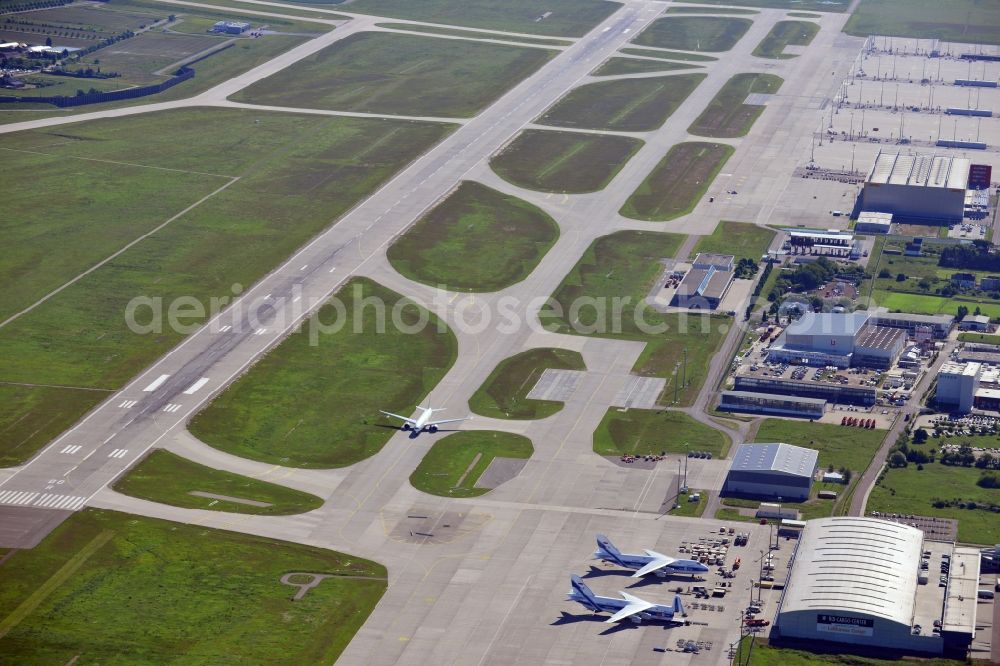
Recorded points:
(500,470)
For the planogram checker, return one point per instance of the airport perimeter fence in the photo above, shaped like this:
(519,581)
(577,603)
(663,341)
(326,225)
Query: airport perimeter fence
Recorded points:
(183,74)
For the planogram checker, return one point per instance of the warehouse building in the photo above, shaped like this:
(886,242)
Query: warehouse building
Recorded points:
(870,222)
(819,242)
(841,394)
(837,339)
(772,470)
(858,581)
(937,325)
(765,403)
(705,285)
(957,385)
(917,188)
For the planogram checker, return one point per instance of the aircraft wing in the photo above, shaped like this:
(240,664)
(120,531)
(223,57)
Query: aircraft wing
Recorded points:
(404,418)
(658,562)
(434,423)
(635,605)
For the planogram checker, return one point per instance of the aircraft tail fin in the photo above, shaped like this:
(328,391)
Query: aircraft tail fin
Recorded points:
(581,589)
(604,545)
(679,606)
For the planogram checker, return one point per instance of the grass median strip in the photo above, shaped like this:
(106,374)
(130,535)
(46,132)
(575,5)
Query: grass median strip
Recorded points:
(454,463)
(640,432)
(476,239)
(314,400)
(675,185)
(636,66)
(167,478)
(668,55)
(727,115)
(471,34)
(504,394)
(216,596)
(694,33)
(743,240)
(569,162)
(786,33)
(626,105)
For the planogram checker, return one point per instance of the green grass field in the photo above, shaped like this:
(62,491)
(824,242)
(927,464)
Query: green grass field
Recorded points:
(786,33)
(504,393)
(968,21)
(454,464)
(727,115)
(930,304)
(979,337)
(614,66)
(838,445)
(744,241)
(623,266)
(297,174)
(769,655)
(649,431)
(164,592)
(478,239)
(808,15)
(563,161)
(471,34)
(626,105)
(691,509)
(668,55)
(315,403)
(560,18)
(376,72)
(694,33)
(167,478)
(675,185)
(909,490)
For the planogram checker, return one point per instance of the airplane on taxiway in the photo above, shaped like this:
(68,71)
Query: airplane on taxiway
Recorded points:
(631,607)
(651,562)
(423,422)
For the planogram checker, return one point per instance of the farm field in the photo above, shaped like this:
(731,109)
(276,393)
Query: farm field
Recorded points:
(216,596)
(504,393)
(455,462)
(559,18)
(675,185)
(654,432)
(572,162)
(297,174)
(694,33)
(727,116)
(838,445)
(399,74)
(138,59)
(909,490)
(626,105)
(668,55)
(167,478)
(786,33)
(637,66)
(744,241)
(477,239)
(967,21)
(471,34)
(624,265)
(75,25)
(314,400)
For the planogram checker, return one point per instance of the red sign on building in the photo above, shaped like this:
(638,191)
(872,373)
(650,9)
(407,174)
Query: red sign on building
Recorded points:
(980,176)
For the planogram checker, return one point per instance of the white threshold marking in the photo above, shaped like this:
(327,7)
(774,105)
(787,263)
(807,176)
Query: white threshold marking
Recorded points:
(54,501)
(304,267)
(296,299)
(17,497)
(333,269)
(197,385)
(156,383)
(128,404)
(225,328)
(171,408)
(118,453)
(71,449)
(260,331)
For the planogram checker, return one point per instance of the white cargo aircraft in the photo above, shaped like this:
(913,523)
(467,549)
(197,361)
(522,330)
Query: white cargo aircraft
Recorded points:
(423,422)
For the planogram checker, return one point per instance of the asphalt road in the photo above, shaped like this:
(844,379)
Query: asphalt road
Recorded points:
(487,586)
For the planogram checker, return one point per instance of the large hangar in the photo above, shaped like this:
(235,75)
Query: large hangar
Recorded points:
(922,188)
(859,581)
(772,470)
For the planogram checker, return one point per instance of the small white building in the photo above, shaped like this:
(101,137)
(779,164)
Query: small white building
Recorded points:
(979,323)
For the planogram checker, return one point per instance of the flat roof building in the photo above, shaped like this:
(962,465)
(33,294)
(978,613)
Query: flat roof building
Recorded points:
(939,325)
(765,403)
(772,470)
(878,347)
(957,384)
(925,188)
(870,222)
(836,393)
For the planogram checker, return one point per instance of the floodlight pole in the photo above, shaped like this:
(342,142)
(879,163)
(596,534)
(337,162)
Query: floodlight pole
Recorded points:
(685,366)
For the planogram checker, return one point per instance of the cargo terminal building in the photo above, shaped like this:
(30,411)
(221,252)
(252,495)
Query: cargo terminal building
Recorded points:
(842,340)
(917,188)
(859,581)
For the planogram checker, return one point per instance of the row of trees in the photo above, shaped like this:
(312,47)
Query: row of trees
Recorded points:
(976,256)
(27,6)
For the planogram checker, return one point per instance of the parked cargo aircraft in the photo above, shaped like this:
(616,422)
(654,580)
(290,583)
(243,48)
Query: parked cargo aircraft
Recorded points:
(633,608)
(423,422)
(651,562)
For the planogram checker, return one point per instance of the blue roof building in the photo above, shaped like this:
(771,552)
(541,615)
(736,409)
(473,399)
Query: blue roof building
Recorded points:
(772,470)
